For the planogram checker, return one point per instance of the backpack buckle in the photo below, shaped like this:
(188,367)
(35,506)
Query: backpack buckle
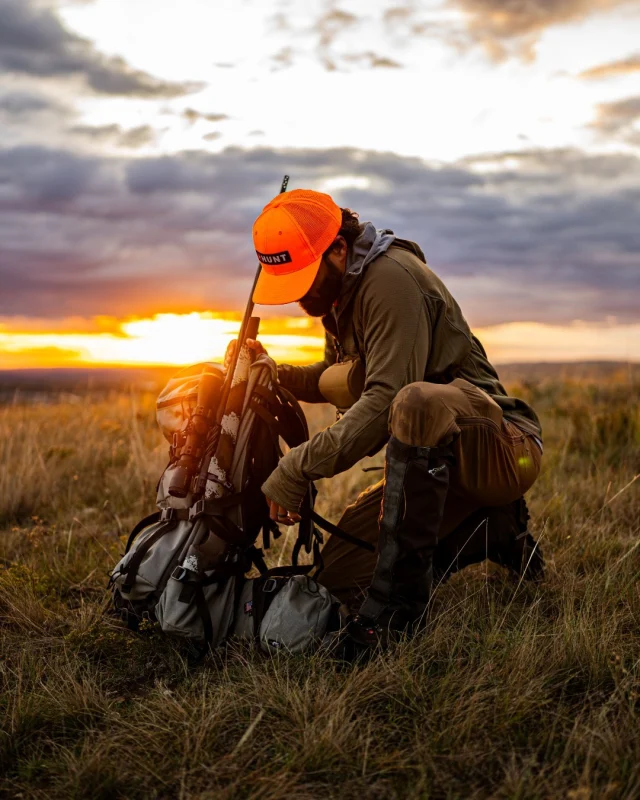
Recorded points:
(180,574)
(167,514)
(197,509)
(270,585)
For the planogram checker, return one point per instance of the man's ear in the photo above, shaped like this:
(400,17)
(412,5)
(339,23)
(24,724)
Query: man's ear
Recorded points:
(340,245)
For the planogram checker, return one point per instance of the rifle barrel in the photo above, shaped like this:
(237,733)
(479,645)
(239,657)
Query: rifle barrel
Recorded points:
(243,333)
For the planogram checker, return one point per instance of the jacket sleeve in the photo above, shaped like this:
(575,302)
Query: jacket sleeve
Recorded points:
(396,341)
(302,382)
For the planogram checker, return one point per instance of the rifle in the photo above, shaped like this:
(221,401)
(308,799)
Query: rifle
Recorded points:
(233,393)
(248,330)
(215,458)
(209,438)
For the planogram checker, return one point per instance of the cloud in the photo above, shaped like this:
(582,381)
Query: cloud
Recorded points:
(548,236)
(625,66)
(513,26)
(618,118)
(21,104)
(34,42)
(333,37)
(370,59)
(38,177)
(330,26)
(503,27)
(192,116)
(116,135)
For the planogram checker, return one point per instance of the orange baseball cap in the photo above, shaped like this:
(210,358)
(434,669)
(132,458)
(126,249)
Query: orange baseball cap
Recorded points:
(290,236)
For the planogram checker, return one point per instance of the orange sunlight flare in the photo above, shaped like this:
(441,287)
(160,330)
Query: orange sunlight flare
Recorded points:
(165,339)
(179,339)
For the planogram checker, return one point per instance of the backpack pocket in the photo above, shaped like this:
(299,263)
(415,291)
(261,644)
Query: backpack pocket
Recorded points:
(139,578)
(195,609)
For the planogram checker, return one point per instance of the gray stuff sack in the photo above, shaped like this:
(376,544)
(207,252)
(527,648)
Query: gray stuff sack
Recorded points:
(298,617)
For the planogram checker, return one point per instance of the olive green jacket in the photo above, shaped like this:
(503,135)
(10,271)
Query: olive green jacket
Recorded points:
(400,320)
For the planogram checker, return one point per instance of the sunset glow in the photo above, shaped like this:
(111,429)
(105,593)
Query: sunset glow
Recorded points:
(180,339)
(502,138)
(165,339)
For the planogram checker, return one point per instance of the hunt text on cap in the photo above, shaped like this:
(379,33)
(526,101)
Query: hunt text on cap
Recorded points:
(274,258)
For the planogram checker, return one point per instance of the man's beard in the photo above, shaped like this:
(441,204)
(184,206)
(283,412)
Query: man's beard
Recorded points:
(319,300)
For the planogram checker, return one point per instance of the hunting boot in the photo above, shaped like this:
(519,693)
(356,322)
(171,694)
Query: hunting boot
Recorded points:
(498,533)
(416,482)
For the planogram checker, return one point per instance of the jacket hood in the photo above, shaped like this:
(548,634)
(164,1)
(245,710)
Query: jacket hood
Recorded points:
(412,247)
(371,243)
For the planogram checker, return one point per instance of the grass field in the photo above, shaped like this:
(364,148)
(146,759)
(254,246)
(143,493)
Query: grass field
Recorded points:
(512,692)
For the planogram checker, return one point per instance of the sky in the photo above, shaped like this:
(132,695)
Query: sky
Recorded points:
(139,139)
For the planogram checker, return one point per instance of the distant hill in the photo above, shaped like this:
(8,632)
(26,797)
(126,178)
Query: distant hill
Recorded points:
(570,370)
(49,385)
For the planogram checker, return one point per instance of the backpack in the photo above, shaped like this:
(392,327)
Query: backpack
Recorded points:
(184,567)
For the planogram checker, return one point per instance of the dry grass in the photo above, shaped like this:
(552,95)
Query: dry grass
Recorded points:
(513,692)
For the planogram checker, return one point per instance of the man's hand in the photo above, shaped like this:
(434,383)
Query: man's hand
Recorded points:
(281,515)
(252,344)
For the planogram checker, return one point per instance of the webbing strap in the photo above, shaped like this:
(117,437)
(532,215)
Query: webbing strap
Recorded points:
(155,517)
(293,407)
(222,573)
(227,530)
(334,530)
(131,570)
(267,418)
(269,527)
(205,616)
(284,412)
(271,397)
(257,557)
(213,506)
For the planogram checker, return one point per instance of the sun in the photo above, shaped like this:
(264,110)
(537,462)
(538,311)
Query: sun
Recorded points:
(165,339)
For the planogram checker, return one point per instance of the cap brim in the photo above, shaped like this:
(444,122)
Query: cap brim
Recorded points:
(276,290)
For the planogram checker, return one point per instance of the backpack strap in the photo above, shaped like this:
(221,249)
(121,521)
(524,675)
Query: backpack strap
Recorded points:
(144,523)
(308,535)
(269,419)
(285,411)
(269,527)
(334,530)
(256,557)
(205,614)
(131,569)
(290,424)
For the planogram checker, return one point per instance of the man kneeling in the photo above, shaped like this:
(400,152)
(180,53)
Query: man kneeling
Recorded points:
(403,366)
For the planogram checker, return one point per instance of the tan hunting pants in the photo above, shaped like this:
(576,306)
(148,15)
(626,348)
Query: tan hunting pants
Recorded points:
(496,463)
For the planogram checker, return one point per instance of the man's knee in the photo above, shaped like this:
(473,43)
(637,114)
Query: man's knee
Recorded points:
(419,416)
